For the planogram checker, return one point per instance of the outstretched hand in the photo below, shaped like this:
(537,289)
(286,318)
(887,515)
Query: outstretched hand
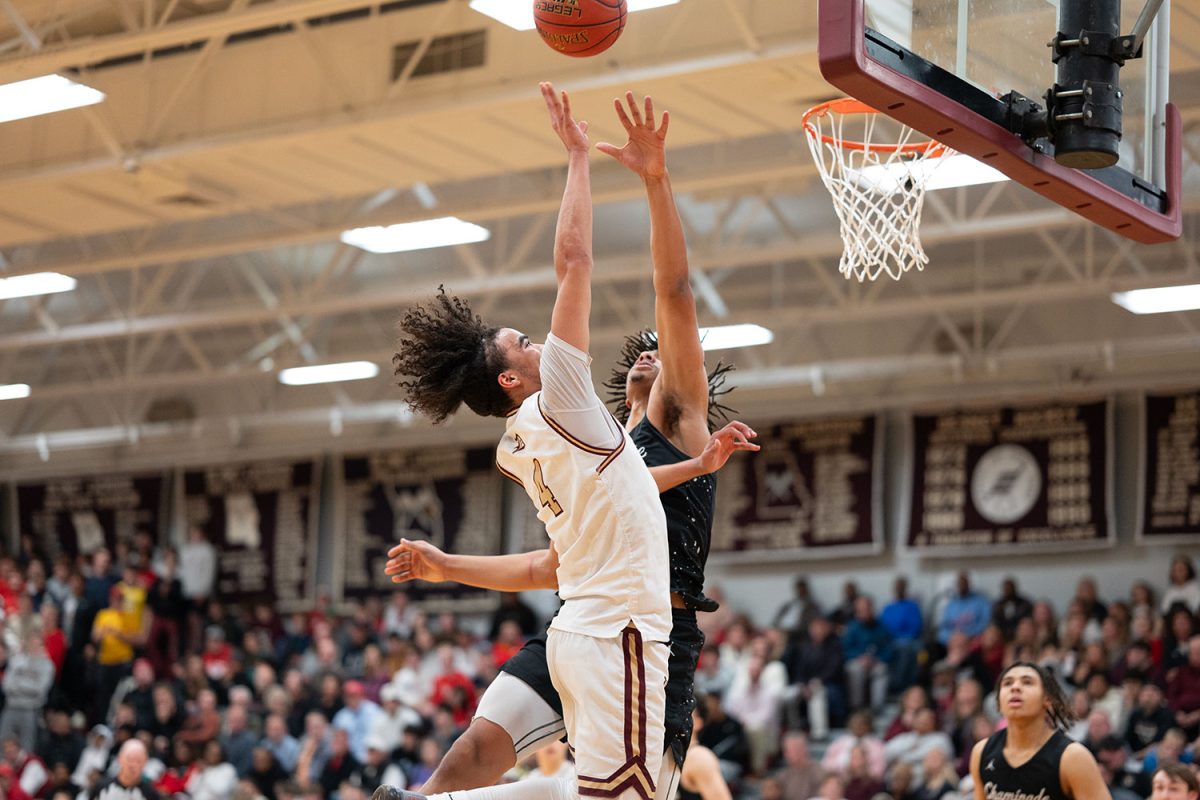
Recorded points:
(723,443)
(415,561)
(644,152)
(572,133)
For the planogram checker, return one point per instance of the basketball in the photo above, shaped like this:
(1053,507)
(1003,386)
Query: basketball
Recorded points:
(579,28)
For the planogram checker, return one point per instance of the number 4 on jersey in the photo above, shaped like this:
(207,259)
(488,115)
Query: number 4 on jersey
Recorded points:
(545,496)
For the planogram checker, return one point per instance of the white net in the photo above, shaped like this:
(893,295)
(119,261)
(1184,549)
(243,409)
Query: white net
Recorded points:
(878,188)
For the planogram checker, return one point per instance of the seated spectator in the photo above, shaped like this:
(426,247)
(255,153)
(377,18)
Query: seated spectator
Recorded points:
(735,650)
(1106,698)
(799,777)
(832,788)
(816,671)
(316,744)
(1180,628)
(992,649)
(712,674)
(756,700)
(912,747)
(724,736)
(901,782)
(1010,608)
(279,743)
(507,642)
(795,614)
(938,777)
(166,718)
(980,728)
(963,661)
(60,743)
(902,619)
(179,773)
(1098,728)
(1089,599)
(450,677)
(1175,782)
(861,781)
(913,700)
(960,717)
(860,736)
(265,772)
(769,788)
(867,648)
(844,612)
(238,741)
(1135,661)
(1149,721)
(377,770)
(1172,749)
(95,755)
(1184,588)
(28,770)
(60,781)
(1045,625)
(203,724)
(1183,691)
(1111,757)
(215,778)
(967,613)
(357,717)
(389,726)
(431,756)
(341,765)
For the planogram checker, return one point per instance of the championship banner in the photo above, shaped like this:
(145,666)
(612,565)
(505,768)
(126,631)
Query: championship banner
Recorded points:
(1007,479)
(262,519)
(452,498)
(814,490)
(80,515)
(1170,487)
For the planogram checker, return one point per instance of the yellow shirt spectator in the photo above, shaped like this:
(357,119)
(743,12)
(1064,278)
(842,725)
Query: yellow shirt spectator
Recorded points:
(110,625)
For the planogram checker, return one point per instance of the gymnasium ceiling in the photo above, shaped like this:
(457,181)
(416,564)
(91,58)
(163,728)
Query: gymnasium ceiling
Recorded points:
(200,206)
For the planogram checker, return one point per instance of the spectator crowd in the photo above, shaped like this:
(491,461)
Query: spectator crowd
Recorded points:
(124,673)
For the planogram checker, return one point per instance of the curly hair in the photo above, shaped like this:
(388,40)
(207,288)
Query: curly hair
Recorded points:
(447,356)
(646,340)
(1059,714)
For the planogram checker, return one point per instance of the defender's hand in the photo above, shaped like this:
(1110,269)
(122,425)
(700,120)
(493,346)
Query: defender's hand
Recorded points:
(723,443)
(415,561)
(572,133)
(644,153)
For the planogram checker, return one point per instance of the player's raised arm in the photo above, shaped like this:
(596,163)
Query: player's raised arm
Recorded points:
(573,235)
(682,386)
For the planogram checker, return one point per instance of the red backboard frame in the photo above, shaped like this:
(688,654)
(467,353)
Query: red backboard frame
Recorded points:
(846,64)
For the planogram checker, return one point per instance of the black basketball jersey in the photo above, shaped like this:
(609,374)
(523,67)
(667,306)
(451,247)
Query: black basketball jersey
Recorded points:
(1036,779)
(689,510)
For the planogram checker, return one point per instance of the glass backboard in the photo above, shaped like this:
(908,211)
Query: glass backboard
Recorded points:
(941,66)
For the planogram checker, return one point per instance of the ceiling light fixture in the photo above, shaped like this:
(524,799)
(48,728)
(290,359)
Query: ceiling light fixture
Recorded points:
(44,95)
(518,14)
(725,337)
(947,172)
(1161,300)
(329,373)
(14,391)
(34,284)
(440,232)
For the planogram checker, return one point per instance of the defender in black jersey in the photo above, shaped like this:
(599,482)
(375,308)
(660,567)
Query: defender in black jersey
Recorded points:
(665,406)
(1032,758)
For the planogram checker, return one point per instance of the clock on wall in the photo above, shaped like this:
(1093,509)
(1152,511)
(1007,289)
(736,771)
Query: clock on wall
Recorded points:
(1005,484)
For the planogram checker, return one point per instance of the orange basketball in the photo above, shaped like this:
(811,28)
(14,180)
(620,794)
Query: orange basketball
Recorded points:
(579,28)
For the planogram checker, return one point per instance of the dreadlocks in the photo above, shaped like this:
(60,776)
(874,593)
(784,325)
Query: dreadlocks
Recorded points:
(450,357)
(643,341)
(1059,713)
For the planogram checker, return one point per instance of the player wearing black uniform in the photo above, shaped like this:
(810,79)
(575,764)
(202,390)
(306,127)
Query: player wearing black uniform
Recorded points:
(1032,758)
(666,406)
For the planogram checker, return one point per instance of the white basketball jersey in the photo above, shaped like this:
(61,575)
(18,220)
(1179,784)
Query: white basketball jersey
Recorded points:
(601,509)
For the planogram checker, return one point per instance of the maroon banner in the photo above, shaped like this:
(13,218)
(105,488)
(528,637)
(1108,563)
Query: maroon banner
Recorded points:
(1170,487)
(80,515)
(262,519)
(814,490)
(450,497)
(1008,479)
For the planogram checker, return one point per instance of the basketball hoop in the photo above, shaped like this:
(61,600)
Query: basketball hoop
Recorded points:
(878,187)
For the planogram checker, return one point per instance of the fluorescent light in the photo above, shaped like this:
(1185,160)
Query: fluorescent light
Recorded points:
(946,172)
(724,337)
(14,391)
(34,284)
(328,373)
(440,232)
(518,14)
(1160,301)
(44,95)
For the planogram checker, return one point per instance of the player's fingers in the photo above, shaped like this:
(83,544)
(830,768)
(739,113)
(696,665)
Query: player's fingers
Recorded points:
(583,126)
(633,109)
(550,98)
(608,149)
(621,115)
(649,112)
(398,549)
(566,104)
(666,120)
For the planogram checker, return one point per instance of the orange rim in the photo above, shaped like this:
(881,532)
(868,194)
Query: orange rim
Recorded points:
(847,106)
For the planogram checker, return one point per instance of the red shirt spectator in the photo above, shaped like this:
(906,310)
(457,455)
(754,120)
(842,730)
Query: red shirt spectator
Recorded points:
(1183,690)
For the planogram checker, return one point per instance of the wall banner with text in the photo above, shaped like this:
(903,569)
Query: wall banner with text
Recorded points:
(450,497)
(80,515)
(814,490)
(261,517)
(1169,506)
(1012,479)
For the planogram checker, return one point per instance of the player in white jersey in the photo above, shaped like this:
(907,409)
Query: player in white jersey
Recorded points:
(607,648)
